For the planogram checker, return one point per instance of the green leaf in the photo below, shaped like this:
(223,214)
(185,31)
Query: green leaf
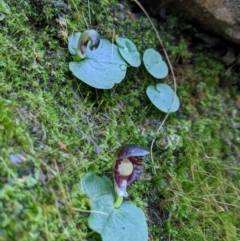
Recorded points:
(163,97)
(154,64)
(73,43)
(101,68)
(94,186)
(128,51)
(124,223)
(2,16)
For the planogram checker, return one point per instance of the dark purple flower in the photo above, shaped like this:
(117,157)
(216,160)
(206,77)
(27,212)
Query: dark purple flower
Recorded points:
(128,167)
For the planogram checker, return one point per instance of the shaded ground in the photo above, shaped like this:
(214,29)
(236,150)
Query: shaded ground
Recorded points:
(54,129)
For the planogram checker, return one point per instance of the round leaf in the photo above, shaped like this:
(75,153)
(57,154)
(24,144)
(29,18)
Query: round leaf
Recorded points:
(163,97)
(128,51)
(124,223)
(102,67)
(154,64)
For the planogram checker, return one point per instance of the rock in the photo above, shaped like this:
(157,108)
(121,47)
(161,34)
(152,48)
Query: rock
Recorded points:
(229,58)
(219,16)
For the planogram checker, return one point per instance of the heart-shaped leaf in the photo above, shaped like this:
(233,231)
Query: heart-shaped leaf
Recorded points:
(124,223)
(154,64)
(94,186)
(128,51)
(163,97)
(101,68)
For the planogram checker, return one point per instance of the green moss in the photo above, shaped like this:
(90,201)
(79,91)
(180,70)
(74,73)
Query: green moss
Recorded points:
(62,129)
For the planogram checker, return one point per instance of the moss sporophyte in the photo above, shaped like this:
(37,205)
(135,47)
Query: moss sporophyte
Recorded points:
(113,218)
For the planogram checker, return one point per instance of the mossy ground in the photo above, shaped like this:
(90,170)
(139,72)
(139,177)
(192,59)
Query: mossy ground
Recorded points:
(57,129)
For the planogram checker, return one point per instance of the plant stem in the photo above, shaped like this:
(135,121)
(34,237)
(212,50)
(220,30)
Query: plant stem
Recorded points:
(118,201)
(77,58)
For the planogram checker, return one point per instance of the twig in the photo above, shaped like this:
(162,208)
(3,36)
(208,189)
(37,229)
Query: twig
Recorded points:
(172,72)
(85,136)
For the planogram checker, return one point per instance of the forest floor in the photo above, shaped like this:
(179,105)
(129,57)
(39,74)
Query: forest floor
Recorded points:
(54,128)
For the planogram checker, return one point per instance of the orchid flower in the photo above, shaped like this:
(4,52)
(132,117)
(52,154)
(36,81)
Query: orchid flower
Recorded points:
(128,168)
(88,35)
